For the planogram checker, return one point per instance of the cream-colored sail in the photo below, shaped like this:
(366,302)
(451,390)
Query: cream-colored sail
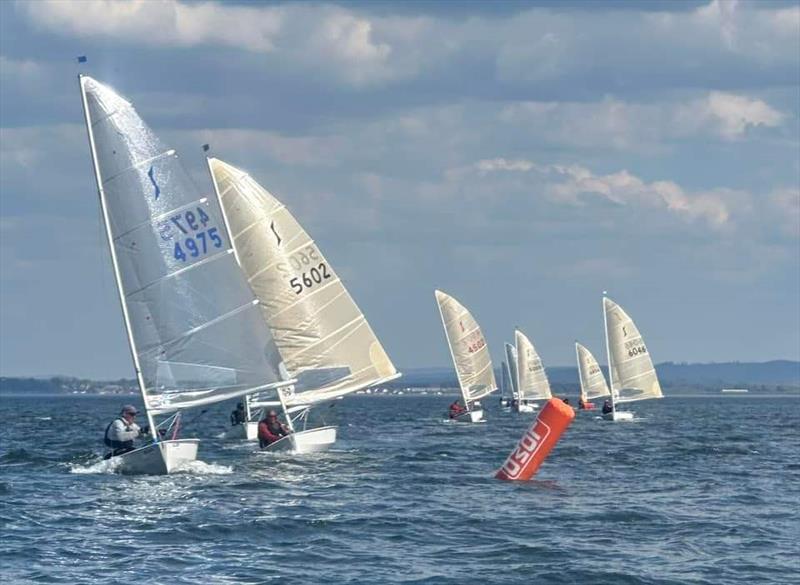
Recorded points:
(533,383)
(631,370)
(593,382)
(468,347)
(324,339)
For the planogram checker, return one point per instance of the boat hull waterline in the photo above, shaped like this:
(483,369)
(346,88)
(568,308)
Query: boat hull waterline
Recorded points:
(160,458)
(618,415)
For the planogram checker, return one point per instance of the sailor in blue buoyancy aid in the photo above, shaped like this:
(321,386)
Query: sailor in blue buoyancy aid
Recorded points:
(122,431)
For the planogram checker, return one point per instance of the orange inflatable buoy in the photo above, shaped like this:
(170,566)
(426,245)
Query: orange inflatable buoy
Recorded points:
(538,441)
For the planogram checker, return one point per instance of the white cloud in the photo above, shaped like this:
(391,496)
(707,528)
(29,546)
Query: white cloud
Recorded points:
(569,184)
(161,23)
(727,114)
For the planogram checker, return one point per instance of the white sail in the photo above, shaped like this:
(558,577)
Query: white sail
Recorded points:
(193,323)
(532,378)
(324,339)
(631,370)
(593,382)
(468,348)
(505,381)
(511,360)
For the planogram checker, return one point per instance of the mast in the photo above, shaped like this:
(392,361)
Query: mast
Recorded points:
(519,381)
(608,356)
(246,398)
(464,395)
(114,262)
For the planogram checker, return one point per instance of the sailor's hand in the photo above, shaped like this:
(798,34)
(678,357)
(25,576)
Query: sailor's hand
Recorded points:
(144,430)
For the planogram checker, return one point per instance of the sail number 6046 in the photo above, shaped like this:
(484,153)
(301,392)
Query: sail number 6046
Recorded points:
(308,279)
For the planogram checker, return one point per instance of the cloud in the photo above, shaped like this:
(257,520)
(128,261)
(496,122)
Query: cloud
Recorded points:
(569,184)
(161,23)
(728,114)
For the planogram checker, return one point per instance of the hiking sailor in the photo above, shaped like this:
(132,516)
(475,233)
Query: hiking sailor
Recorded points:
(122,431)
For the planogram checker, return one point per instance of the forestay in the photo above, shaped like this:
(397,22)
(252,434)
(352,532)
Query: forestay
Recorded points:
(511,360)
(193,322)
(532,378)
(631,370)
(593,382)
(468,348)
(324,339)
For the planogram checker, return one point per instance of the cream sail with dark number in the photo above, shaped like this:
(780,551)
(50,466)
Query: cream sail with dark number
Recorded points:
(631,370)
(468,347)
(193,322)
(533,383)
(593,382)
(324,339)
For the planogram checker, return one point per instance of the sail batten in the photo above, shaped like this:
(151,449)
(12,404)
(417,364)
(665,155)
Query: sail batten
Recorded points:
(318,329)
(468,349)
(187,307)
(533,383)
(631,371)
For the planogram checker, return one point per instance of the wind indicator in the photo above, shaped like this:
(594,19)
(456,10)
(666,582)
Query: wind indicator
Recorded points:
(82,59)
(206,148)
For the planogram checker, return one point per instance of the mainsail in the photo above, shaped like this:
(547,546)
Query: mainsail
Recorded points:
(468,348)
(192,321)
(511,360)
(593,382)
(532,378)
(631,370)
(324,339)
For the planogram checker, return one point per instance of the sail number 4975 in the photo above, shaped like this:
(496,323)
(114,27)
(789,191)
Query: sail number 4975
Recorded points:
(199,237)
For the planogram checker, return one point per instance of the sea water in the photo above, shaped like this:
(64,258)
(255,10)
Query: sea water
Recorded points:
(696,490)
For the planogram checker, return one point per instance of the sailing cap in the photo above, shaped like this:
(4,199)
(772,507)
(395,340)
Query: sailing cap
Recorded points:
(129,409)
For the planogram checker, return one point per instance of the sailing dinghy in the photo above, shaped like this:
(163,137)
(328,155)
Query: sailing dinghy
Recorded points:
(193,327)
(509,371)
(532,382)
(593,382)
(630,369)
(323,338)
(470,355)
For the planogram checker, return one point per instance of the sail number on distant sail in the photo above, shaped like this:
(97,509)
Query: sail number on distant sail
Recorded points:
(474,341)
(307,263)
(635,347)
(194,236)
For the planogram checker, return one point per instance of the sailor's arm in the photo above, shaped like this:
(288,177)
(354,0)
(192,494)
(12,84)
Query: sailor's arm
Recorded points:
(120,431)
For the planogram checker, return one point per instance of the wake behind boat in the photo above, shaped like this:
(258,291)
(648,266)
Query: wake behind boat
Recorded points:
(470,356)
(322,337)
(630,369)
(193,327)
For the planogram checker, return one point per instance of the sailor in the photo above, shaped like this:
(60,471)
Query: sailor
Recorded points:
(271,429)
(565,400)
(238,416)
(456,409)
(607,407)
(122,431)
(582,404)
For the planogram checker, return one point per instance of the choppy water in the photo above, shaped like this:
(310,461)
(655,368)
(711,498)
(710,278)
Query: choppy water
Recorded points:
(703,490)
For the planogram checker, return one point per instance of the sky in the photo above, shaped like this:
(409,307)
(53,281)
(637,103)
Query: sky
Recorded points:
(521,156)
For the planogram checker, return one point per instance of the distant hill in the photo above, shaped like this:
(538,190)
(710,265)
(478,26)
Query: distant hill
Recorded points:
(778,375)
(729,374)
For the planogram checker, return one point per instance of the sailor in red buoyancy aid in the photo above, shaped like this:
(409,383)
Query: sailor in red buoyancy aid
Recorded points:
(270,429)
(456,409)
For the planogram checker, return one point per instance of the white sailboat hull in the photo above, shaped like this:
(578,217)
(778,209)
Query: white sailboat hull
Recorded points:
(471,416)
(309,441)
(618,415)
(247,431)
(158,458)
(523,408)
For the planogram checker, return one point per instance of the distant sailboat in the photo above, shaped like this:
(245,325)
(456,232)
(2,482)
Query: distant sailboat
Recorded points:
(593,382)
(532,381)
(195,334)
(511,365)
(470,355)
(324,339)
(630,369)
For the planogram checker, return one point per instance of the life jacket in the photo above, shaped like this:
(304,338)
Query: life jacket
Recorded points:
(114,444)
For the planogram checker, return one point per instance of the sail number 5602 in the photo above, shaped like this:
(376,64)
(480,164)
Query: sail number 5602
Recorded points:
(308,279)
